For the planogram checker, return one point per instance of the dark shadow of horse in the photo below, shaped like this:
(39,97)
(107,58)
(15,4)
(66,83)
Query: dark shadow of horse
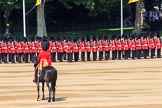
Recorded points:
(48,74)
(58,99)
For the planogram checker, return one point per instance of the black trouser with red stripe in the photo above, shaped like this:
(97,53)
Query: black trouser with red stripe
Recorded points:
(139,54)
(158,53)
(83,56)
(53,54)
(26,57)
(60,55)
(94,56)
(12,57)
(107,55)
(152,53)
(126,54)
(4,57)
(69,57)
(76,56)
(100,55)
(145,53)
(88,56)
(119,54)
(0,57)
(113,55)
(133,54)
(19,57)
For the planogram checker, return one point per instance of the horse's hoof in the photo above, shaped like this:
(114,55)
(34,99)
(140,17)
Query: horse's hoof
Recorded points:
(43,98)
(49,100)
(53,100)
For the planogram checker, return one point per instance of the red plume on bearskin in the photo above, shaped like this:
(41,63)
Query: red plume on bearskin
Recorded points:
(45,44)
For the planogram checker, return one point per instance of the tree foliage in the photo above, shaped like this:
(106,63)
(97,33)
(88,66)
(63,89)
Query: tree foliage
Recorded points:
(71,11)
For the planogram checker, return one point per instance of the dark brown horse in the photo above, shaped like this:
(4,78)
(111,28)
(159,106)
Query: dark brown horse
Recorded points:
(48,74)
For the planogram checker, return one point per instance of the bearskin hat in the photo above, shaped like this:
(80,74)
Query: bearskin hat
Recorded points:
(45,44)
(58,38)
(100,37)
(158,34)
(94,38)
(87,38)
(69,39)
(82,39)
(105,38)
(151,35)
(112,37)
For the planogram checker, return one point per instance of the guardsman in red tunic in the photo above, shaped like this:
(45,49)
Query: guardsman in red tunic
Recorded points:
(4,51)
(32,48)
(76,50)
(19,51)
(158,47)
(0,52)
(94,50)
(119,48)
(64,43)
(100,49)
(82,49)
(88,50)
(53,51)
(44,57)
(126,48)
(106,49)
(26,51)
(145,47)
(12,51)
(60,51)
(69,52)
(139,48)
(113,48)
(133,48)
(152,46)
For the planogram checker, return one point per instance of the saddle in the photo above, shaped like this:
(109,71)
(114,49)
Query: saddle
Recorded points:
(43,63)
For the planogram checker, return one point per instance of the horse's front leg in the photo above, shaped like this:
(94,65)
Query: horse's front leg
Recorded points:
(43,90)
(38,92)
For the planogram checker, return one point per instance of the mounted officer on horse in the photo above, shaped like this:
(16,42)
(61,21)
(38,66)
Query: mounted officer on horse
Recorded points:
(44,72)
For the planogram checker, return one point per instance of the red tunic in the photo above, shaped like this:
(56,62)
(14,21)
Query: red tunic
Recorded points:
(94,47)
(4,48)
(76,48)
(44,56)
(113,46)
(11,48)
(82,47)
(38,46)
(19,48)
(151,44)
(119,45)
(100,48)
(106,46)
(132,45)
(88,48)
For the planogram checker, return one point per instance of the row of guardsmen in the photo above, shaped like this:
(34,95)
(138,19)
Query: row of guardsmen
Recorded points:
(116,48)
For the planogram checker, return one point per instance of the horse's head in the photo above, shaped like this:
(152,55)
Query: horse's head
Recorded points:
(35,59)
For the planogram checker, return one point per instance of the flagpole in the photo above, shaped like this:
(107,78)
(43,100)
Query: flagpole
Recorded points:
(121,18)
(24,20)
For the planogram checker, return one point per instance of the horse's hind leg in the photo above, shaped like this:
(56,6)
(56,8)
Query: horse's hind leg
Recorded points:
(43,90)
(53,89)
(49,90)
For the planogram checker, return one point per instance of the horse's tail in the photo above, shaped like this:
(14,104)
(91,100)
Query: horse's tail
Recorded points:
(54,74)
